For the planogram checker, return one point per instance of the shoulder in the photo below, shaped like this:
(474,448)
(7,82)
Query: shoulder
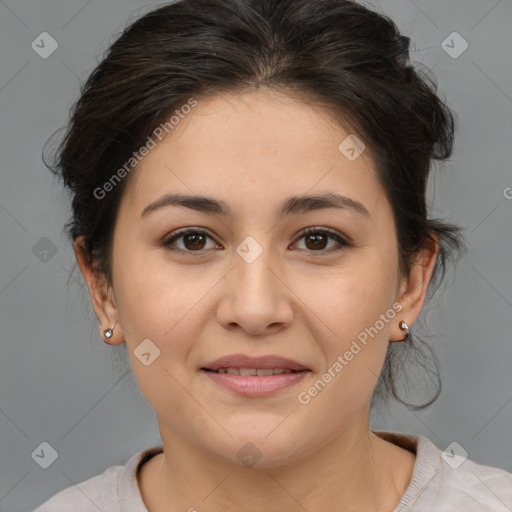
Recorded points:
(474,484)
(446,481)
(87,496)
(114,489)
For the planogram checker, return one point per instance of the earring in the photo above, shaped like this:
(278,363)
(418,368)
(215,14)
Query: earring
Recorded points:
(403,325)
(109,332)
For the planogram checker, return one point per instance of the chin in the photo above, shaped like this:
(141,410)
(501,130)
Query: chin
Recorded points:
(261,452)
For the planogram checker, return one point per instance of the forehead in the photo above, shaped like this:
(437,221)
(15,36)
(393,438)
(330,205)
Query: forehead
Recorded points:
(255,148)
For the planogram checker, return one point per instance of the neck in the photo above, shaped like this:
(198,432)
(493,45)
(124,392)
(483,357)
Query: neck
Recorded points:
(355,471)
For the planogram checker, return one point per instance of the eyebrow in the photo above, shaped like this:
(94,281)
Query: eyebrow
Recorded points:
(291,206)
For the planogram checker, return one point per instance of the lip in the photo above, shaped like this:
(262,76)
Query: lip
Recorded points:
(261,362)
(255,385)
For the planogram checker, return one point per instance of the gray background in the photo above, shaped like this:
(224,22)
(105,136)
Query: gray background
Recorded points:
(61,384)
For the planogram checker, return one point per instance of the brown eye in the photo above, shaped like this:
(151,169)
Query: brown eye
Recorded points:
(316,240)
(194,240)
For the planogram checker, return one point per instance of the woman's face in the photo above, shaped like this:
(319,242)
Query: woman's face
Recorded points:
(255,286)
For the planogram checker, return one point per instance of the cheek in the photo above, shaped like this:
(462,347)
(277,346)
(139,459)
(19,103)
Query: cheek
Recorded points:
(351,299)
(160,322)
(359,312)
(355,303)
(169,307)
(151,296)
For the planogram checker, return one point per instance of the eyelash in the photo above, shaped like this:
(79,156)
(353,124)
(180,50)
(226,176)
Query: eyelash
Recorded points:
(343,243)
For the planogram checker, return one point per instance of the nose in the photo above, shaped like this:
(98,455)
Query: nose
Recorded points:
(256,297)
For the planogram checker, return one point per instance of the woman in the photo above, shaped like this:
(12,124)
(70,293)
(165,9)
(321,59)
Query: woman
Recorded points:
(249,214)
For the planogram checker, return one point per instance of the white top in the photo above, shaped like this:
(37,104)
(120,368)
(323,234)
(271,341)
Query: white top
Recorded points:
(443,484)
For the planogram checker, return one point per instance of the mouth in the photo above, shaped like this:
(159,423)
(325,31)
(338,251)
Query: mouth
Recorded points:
(255,377)
(241,362)
(245,372)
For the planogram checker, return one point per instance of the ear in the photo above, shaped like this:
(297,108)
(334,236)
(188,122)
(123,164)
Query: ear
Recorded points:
(414,287)
(101,295)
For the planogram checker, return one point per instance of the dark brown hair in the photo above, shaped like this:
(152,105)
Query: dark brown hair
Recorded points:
(336,53)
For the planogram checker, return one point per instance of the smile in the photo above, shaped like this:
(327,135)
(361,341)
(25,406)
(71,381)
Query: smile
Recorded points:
(244,372)
(254,382)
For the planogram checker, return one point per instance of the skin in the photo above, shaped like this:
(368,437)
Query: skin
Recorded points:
(252,151)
